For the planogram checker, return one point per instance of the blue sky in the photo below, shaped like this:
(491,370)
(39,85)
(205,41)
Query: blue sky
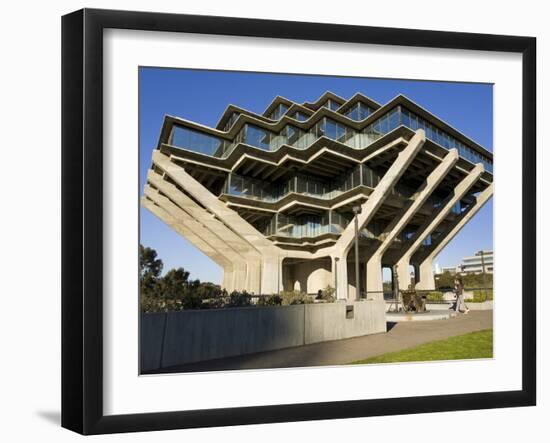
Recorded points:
(202,96)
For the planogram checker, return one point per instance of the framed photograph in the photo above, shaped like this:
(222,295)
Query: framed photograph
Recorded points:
(269,221)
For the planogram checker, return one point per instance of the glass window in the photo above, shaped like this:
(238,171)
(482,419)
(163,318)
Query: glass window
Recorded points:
(257,137)
(331,104)
(300,116)
(278,112)
(359,111)
(334,130)
(406,117)
(353,112)
(230,121)
(434,134)
(192,140)
(394,119)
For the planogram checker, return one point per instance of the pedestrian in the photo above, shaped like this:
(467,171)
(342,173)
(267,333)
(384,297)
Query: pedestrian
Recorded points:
(459,291)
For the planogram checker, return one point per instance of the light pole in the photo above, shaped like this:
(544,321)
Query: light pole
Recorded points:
(357,211)
(336,260)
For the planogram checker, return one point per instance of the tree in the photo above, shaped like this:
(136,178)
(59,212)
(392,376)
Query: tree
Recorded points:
(150,268)
(445,280)
(173,284)
(148,262)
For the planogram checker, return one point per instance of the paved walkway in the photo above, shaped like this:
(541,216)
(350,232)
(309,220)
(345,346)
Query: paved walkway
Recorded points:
(400,336)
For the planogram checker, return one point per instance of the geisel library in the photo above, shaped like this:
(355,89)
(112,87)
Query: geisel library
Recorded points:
(273,198)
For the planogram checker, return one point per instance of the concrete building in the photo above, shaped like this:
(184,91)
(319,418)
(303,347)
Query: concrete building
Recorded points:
(473,265)
(477,264)
(272,197)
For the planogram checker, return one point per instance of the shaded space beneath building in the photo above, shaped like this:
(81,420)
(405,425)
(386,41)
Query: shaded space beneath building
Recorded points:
(400,336)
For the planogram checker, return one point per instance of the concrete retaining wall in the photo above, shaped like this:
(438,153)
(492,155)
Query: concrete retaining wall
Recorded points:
(176,338)
(483,306)
(325,322)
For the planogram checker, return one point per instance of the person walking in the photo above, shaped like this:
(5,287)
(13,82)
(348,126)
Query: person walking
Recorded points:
(459,291)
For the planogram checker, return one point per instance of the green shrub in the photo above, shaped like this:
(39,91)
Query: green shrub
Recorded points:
(326,294)
(270,300)
(294,298)
(479,296)
(239,299)
(435,296)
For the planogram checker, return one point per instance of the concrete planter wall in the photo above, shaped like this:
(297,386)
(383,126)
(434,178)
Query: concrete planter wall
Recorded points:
(438,306)
(176,338)
(483,306)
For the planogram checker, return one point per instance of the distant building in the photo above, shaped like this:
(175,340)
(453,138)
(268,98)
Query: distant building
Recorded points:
(477,263)
(472,265)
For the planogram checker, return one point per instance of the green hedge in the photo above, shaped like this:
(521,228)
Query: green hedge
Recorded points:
(481,295)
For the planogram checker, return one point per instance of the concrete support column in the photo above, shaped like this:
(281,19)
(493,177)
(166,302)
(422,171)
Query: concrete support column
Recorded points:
(375,287)
(271,275)
(239,273)
(228,279)
(403,274)
(425,275)
(253,281)
(340,274)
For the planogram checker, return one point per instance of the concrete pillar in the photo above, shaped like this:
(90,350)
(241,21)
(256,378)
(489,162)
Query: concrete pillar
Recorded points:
(271,275)
(403,274)
(425,275)
(253,276)
(240,276)
(340,270)
(375,287)
(228,279)
(374,263)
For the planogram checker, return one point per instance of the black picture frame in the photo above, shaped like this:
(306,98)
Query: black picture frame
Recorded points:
(82,219)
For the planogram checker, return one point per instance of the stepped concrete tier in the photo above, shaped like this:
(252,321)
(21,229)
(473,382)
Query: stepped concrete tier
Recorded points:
(441,314)
(272,197)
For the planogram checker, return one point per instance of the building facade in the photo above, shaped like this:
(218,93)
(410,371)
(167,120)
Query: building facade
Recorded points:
(482,261)
(275,198)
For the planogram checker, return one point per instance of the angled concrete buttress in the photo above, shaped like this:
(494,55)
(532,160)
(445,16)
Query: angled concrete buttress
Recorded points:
(369,208)
(271,255)
(237,260)
(431,223)
(425,269)
(194,239)
(250,257)
(400,221)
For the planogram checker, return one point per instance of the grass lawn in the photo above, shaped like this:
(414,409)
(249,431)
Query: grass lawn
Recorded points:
(473,345)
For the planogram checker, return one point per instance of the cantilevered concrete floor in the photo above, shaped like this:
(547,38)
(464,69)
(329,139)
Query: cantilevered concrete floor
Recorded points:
(400,336)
